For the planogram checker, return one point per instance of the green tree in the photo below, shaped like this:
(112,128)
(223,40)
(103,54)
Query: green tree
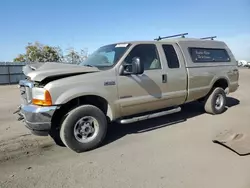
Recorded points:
(38,52)
(20,58)
(74,56)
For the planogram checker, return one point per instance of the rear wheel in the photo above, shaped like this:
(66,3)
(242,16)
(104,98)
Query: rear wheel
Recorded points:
(216,102)
(84,128)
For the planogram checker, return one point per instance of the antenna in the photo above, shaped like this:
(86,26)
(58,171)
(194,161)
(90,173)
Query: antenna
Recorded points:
(171,36)
(212,38)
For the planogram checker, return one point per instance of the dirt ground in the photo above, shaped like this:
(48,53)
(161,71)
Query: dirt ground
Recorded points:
(171,151)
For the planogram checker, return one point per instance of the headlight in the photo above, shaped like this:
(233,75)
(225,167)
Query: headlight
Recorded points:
(41,96)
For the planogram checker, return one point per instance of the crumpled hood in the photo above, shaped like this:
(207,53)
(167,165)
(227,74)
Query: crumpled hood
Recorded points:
(31,67)
(40,71)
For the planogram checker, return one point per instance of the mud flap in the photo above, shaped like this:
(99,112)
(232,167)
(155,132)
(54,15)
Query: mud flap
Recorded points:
(20,116)
(17,110)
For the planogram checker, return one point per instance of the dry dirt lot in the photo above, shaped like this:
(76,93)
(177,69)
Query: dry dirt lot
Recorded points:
(171,151)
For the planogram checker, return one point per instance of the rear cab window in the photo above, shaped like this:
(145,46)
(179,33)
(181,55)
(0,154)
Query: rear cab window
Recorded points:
(203,55)
(171,56)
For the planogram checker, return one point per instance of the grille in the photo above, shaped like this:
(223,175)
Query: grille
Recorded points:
(25,91)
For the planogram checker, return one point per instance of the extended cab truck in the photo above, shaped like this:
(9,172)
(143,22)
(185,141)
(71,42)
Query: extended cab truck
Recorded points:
(125,82)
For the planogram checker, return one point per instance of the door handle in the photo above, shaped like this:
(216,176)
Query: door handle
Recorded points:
(164,78)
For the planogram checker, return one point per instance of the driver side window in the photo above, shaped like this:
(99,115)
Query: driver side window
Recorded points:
(148,55)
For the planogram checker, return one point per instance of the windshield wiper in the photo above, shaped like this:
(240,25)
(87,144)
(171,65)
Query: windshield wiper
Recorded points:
(88,65)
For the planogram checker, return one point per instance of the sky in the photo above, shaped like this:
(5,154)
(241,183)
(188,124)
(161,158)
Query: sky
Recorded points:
(90,24)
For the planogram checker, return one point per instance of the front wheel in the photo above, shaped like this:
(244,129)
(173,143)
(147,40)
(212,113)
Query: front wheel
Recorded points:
(84,128)
(216,102)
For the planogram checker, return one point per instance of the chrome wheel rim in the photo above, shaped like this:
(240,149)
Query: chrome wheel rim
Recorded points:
(86,129)
(219,101)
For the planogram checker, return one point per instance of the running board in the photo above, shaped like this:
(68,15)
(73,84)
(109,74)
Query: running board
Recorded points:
(149,116)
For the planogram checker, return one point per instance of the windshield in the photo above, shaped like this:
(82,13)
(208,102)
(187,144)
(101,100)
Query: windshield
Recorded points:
(106,56)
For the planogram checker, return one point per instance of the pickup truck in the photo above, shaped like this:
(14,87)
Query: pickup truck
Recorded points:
(124,82)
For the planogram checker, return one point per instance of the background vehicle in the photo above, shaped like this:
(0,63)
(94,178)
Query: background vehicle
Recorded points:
(243,63)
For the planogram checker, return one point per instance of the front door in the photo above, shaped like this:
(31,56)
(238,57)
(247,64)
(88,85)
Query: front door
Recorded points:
(145,92)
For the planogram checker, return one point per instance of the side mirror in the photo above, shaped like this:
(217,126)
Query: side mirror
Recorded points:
(136,67)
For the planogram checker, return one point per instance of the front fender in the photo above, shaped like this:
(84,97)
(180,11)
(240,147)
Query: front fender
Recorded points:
(75,92)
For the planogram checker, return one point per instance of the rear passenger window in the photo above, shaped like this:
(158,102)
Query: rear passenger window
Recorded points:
(203,55)
(171,56)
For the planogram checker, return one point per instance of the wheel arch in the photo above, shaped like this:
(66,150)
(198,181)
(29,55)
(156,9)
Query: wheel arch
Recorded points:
(222,82)
(89,99)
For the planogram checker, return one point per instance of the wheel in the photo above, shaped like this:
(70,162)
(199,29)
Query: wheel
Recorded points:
(216,102)
(84,128)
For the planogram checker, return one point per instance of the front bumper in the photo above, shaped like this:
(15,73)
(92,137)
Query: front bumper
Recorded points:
(37,118)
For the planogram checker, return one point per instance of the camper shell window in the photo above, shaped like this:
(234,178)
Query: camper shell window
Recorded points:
(203,55)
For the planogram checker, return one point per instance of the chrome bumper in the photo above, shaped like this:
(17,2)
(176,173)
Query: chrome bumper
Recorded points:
(37,118)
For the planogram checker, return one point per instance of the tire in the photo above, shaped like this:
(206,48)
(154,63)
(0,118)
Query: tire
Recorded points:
(216,102)
(78,122)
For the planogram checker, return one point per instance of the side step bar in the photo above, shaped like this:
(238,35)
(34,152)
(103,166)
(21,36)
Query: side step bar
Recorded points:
(149,116)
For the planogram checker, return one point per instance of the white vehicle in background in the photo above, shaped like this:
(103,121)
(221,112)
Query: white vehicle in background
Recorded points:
(243,63)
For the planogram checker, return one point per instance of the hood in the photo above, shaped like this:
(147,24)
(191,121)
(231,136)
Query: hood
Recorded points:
(40,71)
(31,67)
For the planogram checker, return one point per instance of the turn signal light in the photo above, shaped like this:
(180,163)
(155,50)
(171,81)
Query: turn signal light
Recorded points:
(41,97)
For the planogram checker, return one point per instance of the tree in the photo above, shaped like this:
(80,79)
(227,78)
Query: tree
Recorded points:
(20,58)
(75,57)
(38,52)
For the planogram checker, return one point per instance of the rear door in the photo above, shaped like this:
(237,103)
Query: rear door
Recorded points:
(176,73)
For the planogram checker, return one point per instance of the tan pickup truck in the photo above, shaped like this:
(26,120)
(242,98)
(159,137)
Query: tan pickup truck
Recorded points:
(125,82)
